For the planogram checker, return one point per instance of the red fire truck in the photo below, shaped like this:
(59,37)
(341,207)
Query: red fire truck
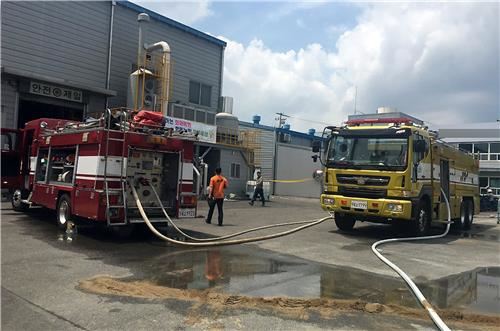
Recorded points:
(84,170)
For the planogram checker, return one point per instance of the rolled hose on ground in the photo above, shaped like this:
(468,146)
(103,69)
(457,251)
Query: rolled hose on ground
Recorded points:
(222,242)
(169,220)
(423,301)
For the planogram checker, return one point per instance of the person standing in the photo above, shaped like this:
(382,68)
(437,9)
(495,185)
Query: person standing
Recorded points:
(216,191)
(259,190)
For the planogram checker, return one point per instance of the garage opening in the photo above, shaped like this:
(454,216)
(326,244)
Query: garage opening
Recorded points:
(30,110)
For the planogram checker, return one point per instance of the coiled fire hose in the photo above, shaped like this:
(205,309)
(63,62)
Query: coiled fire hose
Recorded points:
(423,301)
(222,237)
(218,242)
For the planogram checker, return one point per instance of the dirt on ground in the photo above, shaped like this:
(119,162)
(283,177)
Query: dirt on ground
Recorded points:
(289,307)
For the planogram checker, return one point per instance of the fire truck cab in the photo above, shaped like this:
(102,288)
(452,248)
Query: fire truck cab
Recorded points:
(390,168)
(85,170)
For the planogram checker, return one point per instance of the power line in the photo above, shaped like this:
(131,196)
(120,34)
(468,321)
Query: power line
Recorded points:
(302,119)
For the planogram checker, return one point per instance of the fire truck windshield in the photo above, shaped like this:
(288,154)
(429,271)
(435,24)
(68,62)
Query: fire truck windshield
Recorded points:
(368,152)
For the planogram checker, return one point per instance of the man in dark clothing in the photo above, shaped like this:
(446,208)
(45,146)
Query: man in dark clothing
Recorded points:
(259,190)
(216,191)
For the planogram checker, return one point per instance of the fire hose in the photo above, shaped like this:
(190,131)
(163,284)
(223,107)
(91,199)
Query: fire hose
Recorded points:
(416,291)
(169,220)
(219,241)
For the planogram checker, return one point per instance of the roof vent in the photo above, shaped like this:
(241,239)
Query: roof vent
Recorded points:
(256,119)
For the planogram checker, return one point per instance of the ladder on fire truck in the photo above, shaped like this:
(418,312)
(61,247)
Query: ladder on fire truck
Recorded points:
(122,189)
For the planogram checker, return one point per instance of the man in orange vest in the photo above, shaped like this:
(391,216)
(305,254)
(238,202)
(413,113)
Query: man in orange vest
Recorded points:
(216,192)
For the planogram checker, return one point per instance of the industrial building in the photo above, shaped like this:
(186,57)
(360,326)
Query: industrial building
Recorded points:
(72,59)
(284,155)
(482,139)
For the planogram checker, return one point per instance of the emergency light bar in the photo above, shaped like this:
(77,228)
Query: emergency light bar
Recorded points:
(379,118)
(395,120)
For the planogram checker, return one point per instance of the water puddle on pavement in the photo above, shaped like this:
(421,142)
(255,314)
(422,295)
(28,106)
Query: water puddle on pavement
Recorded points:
(257,274)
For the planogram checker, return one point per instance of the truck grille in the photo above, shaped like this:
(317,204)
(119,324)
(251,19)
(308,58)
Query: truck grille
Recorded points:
(363,180)
(361,192)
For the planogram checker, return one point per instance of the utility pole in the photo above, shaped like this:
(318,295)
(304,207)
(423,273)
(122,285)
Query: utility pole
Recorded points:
(282,117)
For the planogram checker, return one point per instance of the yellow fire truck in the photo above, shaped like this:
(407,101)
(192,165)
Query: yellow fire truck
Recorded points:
(390,168)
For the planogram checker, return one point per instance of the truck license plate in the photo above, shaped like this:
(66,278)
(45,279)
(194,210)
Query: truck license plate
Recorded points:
(187,212)
(359,204)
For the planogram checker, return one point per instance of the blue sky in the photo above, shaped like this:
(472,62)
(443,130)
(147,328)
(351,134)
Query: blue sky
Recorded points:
(317,61)
(313,23)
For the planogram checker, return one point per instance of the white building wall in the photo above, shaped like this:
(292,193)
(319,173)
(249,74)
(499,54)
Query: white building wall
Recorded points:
(295,162)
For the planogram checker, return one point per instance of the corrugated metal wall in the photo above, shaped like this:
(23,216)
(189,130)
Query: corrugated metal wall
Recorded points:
(294,162)
(61,39)
(9,102)
(265,154)
(193,58)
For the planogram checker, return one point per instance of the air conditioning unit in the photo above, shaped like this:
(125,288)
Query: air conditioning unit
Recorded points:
(285,138)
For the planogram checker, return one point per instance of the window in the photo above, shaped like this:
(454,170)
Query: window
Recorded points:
(206,93)
(495,181)
(494,151)
(194,92)
(235,170)
(465,147)
(385,152)
(483,181)
(41,166)
(200,94)
(211,118)
(481,148)
(495,148)
(420,155)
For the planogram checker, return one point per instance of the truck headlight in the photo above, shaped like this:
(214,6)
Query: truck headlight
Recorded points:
(329,201)
(395,207)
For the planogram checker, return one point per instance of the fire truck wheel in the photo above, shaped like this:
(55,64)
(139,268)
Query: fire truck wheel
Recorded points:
(16,200)
(344,222)
(466,214)
(469,216)
(63,212)
(421,222)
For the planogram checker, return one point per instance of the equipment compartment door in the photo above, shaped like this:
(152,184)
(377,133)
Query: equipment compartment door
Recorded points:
(445,185)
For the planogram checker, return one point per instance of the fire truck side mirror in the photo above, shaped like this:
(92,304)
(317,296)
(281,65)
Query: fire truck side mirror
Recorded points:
(316,146)
(419,146)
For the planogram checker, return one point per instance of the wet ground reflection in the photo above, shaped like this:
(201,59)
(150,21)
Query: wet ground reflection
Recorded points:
(258,273)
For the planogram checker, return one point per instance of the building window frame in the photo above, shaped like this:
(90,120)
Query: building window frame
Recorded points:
(200,93)
(235,170)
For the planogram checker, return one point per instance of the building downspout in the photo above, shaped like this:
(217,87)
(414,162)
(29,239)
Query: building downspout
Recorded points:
(219,105)
(110,46)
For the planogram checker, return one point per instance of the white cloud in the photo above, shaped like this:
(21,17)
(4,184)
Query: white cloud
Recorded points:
(437,62)
(186,12)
